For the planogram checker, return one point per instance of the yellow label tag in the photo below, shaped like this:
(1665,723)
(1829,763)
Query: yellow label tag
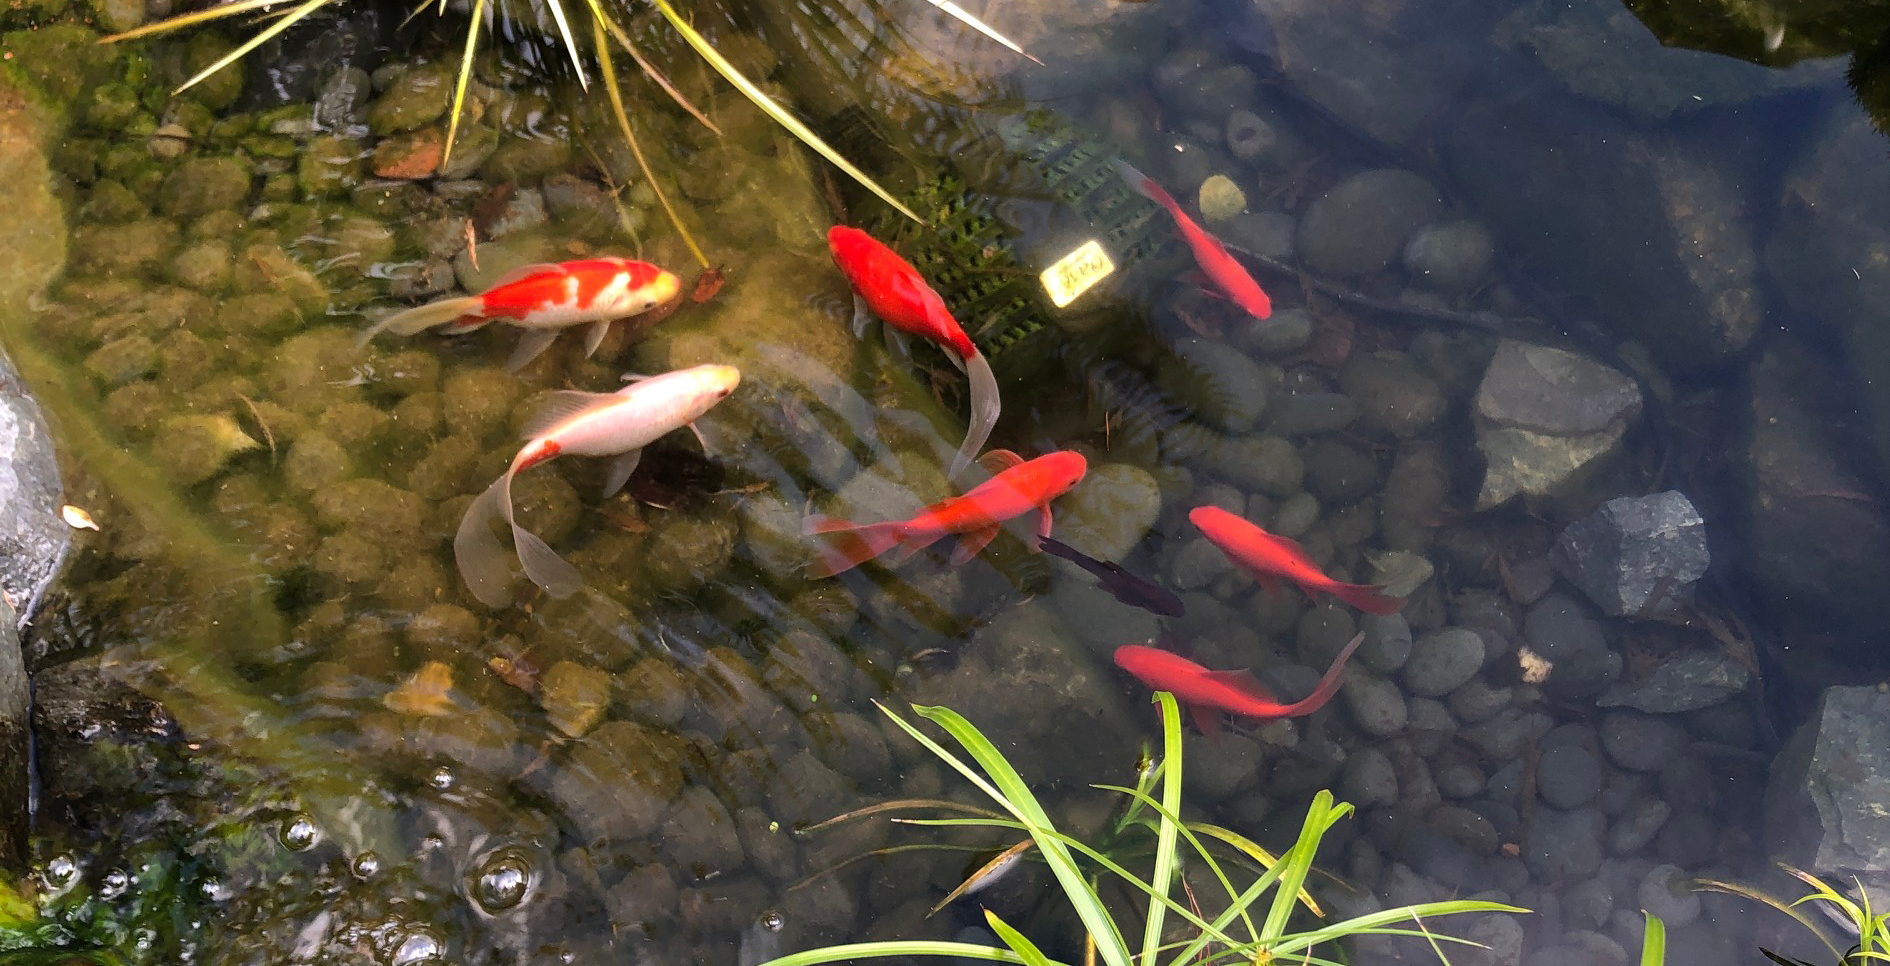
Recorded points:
(1077,272)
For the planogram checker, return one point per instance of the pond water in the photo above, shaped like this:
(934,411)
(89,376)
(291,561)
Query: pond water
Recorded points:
(1523,260)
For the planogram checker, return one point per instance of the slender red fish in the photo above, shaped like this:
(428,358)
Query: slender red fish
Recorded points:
(887,286)
(545,300)
(975,517)
(1269,557)
(1221,270)
(1208,693)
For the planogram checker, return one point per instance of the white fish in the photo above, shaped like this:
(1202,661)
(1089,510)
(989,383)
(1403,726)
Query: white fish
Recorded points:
(574,423)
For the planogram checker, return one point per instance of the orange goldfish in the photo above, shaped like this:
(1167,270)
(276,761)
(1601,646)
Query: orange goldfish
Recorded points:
(573,423)
(1225,274)
(1269,557)
(1208,693)
(545,300)
(887,286)
(975,517)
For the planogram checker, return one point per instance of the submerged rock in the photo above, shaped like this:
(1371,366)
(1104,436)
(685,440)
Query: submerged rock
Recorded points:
(1633,548)
(1824,804)
(1545,418)
(33,539)
(1364,222)
(1697,679)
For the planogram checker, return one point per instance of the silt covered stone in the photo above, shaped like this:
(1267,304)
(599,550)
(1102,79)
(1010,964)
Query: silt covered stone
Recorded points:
(1635,553)
(1824,807)
(1547,417)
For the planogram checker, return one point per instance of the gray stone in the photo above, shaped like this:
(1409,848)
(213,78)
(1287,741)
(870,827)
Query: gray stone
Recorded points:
(1669,257)
(15,727)
(1224,389)
(1696,679)
(1568,776)
(1368,779)
(1635,829)
(1600,50)
(1311,413)
(1451,257)
(1824,804)
(1393,394)
(1632,548)
(1387,642)
(33,537)
(1666,893)
(1374,703)
(1560,845)
(340,106)
(1111,512)
(1364,222)
(1545,418)
(1576,661)
(1442,661)
(1640,742)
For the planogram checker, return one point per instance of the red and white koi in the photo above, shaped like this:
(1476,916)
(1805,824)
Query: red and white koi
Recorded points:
(1209,693)
(1222,271)
(544,300)
(975,517)
(887,286)
(1269,557)
(574,423)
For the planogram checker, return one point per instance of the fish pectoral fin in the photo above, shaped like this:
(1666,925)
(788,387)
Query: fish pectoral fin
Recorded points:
(707,450)
(1245,683)
(1043,519)
(531,345)
(969,544)
(898,343)
(1207,719)
(524,272)
(619,472)
(563,405)
(862,316)
(595,337)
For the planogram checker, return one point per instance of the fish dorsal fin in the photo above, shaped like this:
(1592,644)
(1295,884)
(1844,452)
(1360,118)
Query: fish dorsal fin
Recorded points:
(1244,682)
(998,460)
(527,271)
(1287,543)
(564,405)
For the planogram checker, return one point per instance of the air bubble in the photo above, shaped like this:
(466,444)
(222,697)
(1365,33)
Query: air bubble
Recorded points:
(772,920)
(299,833)
(442,779)
(366,865)
(61,872)
(501,881)
(417,947)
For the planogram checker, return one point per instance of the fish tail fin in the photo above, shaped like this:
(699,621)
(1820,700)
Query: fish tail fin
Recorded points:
(1365,597)
(843,545)
(1328,684)
(543,565)
(424,317)
(985,406)
(480,555)
(1145,185)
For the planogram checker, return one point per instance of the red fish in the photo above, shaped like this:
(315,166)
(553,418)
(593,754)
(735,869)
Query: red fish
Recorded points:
(1208,693)
(975,517)
(1221,270)
(545,300)
(887,286)
(1269,557)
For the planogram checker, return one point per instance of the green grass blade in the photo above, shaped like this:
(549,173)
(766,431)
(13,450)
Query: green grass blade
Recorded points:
(464,78)
(1297,861)
(570,45)
(964,16)
(187,19)
(1377,923)
(1019,943)
(884,950)
(1211,931)
(774,110)
(1654,941)
(1790,909)
(609,70)
(1012,793)
(649,70)
(1261,857)
(261,37)
(1165,831)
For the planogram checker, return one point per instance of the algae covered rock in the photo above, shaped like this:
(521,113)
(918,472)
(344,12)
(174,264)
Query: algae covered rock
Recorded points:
(203,185)
(194,447)
(1110,511)
(619,782)
(417,97)
(574,697)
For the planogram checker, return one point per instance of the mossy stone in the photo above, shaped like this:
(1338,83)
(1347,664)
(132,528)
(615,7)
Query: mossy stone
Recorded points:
(368,506)
(408,371)
(184,360)
(527,159)
(348,560)
(265,267)
(419,96)
(193,448)
(353,423)
(202,185)
(262,315)
(191,118)
(415,582)
(203,265)
(444,632)
(330,166)
(479,401)
(111,107)
(365,240)
(654,691)
(117,16)
(127,249)
(546,505)
(110,202)
(619,782)
(134,408)
(574,697)
(122,360)
(1338,472)
(447,468)
(223,226)
(63,60)
(315,461)
(418,420)
(221,89)
(694,551)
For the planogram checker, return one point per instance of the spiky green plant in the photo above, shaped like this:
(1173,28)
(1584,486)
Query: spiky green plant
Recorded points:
(1868,929)
(603,24)
(1254,927)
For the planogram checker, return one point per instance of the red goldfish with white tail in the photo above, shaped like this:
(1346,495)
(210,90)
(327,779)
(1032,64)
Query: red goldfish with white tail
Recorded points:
(887,286)
(544,300)
(574,423)
(1226,275)
(975,518)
